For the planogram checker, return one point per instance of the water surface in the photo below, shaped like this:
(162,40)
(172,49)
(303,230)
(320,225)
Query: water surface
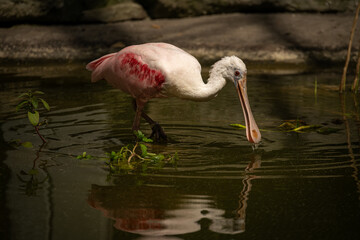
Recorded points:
(294,186)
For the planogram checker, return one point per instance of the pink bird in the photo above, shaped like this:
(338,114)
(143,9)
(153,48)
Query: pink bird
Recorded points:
(154,70)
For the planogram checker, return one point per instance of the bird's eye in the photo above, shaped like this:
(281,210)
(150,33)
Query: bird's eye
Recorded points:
(237,73)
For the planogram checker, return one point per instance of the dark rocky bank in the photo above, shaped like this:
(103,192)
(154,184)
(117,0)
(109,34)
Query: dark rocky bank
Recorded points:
(291,31)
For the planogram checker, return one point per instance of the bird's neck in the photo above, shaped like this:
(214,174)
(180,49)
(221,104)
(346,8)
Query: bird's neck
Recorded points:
(214,84)
(198,90)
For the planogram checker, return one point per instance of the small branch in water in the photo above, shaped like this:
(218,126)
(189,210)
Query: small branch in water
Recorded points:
(38,133)
(343,78)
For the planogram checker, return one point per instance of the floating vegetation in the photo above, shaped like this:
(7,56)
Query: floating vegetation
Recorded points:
(135,158)
(84,155)
(297,125)
(237,125)
(301,126)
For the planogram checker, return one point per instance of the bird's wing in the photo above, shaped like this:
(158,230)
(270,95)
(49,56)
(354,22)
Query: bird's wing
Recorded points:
(182,71)
(172,69)
(97,65)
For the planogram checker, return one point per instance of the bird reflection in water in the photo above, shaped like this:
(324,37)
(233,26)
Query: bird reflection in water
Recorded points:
(155,210)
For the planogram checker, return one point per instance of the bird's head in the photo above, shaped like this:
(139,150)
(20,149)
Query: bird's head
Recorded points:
(234,70)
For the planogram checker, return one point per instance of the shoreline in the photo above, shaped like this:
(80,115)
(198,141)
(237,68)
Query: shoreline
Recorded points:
(293,38)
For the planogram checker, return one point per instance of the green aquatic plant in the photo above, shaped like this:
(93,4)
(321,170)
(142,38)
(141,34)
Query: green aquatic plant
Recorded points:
(30,103)
(84,155)
(238,125)
(295,125)
(300,126)
(136,157)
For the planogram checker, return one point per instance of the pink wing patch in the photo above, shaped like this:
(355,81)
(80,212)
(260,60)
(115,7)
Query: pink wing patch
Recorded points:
(142,71)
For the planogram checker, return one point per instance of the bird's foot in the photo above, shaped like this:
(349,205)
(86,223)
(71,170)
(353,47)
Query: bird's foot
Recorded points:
(158,134)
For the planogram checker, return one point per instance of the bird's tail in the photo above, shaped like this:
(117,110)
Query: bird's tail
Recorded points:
(94,67)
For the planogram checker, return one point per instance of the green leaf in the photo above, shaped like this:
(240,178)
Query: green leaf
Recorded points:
(306,128)
(147,140)
(112,168)
(158,158)
(46,105)
(27,144)
(43,122)
(161,157)
(139,135)
(237,125)
(34,102)
(84,155)
(34,118)
(21,105)
(287,126)
(143,150)
(38,93)
(174,158)
(23,95)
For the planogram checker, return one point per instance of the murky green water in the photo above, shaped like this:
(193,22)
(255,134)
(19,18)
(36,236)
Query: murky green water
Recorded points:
(295,186)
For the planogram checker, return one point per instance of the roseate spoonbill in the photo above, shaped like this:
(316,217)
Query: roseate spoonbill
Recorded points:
(162,70)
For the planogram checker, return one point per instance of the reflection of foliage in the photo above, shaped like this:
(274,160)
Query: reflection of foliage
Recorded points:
(31,182)
(30,103)
(17,143)
(31,178)
(136,158)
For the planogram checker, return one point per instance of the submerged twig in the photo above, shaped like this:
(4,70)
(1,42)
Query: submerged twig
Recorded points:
(38,133)
(343,78)
(349,143)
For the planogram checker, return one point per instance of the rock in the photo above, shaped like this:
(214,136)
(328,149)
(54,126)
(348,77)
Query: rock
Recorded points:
(16,11)
(187,8)
(68,11)
(115,13)
(314,5)
(39,11)
(75,11)
(295,38)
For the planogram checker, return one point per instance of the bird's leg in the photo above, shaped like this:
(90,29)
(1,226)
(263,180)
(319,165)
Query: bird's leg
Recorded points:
(157,132)
(138,110)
